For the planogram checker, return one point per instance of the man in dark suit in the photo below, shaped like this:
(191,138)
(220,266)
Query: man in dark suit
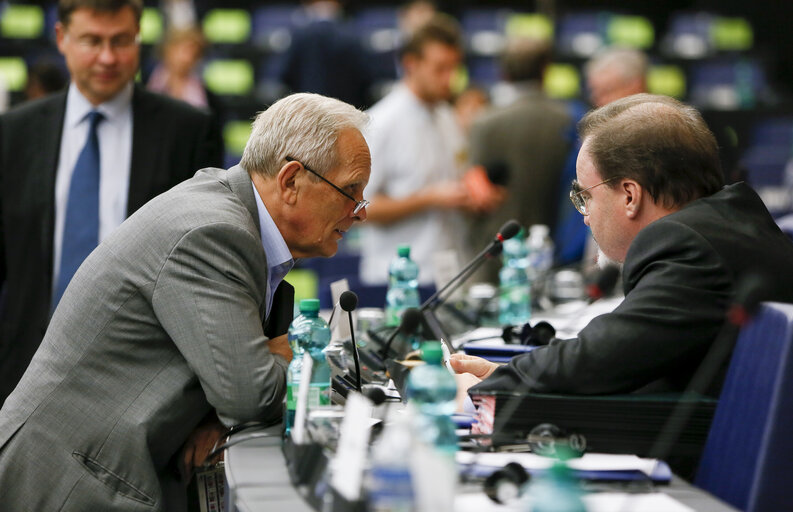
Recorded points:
(143,143)
(649,185)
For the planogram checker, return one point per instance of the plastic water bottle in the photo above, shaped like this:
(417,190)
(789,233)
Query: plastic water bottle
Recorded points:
(555,491)
(540,251)
(403,286)
(308,332)
(389,483)
(514,294)
(431,392)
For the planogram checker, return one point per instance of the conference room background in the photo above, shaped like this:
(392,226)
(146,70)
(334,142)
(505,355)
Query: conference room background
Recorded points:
(731,59)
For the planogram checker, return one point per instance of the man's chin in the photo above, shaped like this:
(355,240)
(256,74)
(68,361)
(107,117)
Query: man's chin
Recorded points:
(604,261)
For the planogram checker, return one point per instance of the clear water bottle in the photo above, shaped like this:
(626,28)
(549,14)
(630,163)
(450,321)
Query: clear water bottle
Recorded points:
(514,294)
(295,368)
(432,390)
(555,491)
(311,334)
(540,250)
(389,483)
(403,286)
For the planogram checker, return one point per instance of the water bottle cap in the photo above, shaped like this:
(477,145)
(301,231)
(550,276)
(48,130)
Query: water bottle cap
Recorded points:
(309,305)
(431,352)
(403,251)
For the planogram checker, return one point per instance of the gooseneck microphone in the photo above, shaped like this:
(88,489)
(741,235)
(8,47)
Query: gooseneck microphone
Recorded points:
(507,231)
(348,302)
(411,318)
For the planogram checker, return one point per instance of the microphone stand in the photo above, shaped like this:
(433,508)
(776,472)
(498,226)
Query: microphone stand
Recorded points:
(494,249)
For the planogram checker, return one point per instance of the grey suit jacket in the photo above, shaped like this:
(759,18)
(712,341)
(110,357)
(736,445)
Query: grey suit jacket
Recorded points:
(161,323)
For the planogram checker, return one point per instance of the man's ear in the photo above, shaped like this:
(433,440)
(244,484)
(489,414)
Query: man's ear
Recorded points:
(287,183)
(633,195)
(60,33)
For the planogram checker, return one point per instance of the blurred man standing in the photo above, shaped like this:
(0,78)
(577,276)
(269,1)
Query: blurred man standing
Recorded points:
(528,138)
(418,155)
(75,164)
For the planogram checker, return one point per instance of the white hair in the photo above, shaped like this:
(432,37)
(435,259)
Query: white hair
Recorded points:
(303,126)
(628,62)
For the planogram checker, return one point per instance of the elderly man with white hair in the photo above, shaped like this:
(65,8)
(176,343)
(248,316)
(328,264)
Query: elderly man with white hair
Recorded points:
(180,313)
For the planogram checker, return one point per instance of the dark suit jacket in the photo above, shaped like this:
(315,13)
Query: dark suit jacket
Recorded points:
(529,138)
(679,276)
(170,142)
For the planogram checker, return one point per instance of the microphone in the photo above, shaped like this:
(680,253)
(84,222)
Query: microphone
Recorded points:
(348,302)
(507,231)
(604,283)
(411,318)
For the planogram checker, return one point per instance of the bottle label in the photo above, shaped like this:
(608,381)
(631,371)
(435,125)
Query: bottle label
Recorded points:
(318,394)
(291,396)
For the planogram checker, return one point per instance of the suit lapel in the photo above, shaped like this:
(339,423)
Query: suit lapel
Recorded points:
(44,160)
(240,184)
(146,143)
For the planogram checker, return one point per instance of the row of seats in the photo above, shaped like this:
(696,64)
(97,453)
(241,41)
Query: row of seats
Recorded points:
(689,34)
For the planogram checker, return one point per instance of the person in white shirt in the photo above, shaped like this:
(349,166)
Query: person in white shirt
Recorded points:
(418,159)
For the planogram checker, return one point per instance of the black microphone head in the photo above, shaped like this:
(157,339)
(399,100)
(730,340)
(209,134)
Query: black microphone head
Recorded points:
(348,301)
(374,393)
(509,229)
(411,319)
(605,282)
(498,173)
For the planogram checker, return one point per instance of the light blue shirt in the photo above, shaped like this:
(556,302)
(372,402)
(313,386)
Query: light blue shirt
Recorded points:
(115,156)
(279,259)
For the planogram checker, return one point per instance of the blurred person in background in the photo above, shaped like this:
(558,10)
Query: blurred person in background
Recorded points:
(613,73)
(44,78)
(325,58)
(418,158)
(468,105)
(522,145)
(75,164)
(177,74)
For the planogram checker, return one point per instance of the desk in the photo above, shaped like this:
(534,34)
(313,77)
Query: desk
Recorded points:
(258,481)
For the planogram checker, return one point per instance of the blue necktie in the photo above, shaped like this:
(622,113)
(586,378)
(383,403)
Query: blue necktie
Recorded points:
(81,228)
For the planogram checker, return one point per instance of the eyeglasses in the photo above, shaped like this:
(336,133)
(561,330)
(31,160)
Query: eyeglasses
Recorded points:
(359,205)
(93,45)
(579,201)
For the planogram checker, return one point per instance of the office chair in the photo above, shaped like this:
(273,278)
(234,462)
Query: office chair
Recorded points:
(748,456)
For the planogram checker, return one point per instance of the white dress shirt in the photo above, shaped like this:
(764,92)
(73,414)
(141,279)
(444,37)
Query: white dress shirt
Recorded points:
(413,145)
(115,155)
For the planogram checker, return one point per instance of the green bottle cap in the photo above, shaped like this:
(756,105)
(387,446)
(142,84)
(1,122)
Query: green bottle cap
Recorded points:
(403,251)
(309,305)
(431,352)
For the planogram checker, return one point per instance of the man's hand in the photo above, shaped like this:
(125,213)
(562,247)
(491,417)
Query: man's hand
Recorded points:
(280,346)
(199,443)
(481,368)
(464,381)
(449,195)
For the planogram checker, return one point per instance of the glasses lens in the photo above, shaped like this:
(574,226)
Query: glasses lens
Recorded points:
(360,205)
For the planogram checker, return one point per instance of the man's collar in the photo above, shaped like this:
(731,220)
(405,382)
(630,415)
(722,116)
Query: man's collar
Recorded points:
(77,105)
(275,247)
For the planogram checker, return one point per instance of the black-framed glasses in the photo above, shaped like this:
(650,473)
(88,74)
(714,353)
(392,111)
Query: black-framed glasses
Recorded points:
(359,205)
(579,201)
